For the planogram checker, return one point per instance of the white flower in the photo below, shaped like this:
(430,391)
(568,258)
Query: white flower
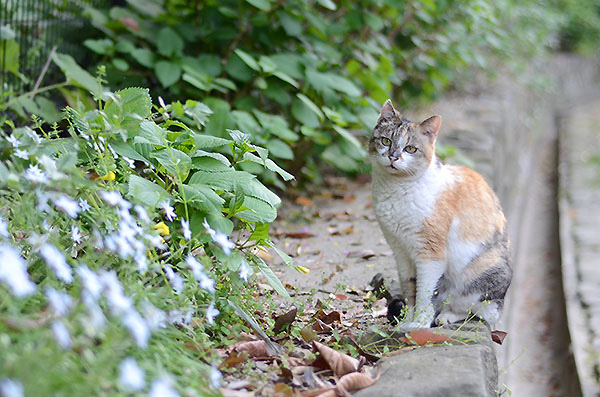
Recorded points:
(219,238)
(50,167)
(141,261)
(137,327)
(83,204)
(42,204)
(67,205)
(129,161)
(169,211)
(114,198)
(161,102)
(119,303)
(155,318)
(97,318)
(175,279)
(142,214)
(215,376)
(75,234)
(24,154)
(177,317)
(35,137)
(207,283)
(11,388)
(57,262)
(13,272)
(61,334)
(244,270)
(163,388)
(131,375)
(187,233)
(224,242)
(89,280)
(35,174)
(112,151)
(14,141)
(4,228)
(197,269)
(211,313)
(60,302)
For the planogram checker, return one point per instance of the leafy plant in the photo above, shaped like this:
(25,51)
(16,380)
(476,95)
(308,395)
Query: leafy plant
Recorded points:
(126,231)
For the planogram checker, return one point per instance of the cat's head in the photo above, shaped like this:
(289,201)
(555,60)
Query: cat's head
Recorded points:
(402,147)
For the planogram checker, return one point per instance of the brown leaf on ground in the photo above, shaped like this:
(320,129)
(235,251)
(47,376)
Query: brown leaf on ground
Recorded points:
(320,327)
(234,358)
(329,392)
(304,201)
(284,320)
(340,297)
(295,234)
(356,381)
(498,336)
(283,390)
(330,318)
(338,362)
(424,336)
(255,349)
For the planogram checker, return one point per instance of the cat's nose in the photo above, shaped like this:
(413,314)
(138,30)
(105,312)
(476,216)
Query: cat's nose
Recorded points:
(393,157)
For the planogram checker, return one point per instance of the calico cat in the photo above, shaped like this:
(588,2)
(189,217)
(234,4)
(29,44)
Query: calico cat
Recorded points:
(444,224)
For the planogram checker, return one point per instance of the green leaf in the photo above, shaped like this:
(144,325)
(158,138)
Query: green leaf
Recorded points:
(263,5)
(350,138)
(286,258)
(175,162)
(311,105)
(102,46)
(284,77)
(151,133)
(272,278)
(222,180)
(209,164)
(217,156)
(256,210)
(260,232)
(246,122)
(169,43)
(146,192)
(202,198)
(124,149)
(270,164)
(125,47)
(9,54)
(143,56)
(237,69)
(120,64)
(76,74)
(280,149)
(208,142)
(130,101)
(248,59)
(291,25)
(196,82)
(168,73)
(329,4)
(304,115)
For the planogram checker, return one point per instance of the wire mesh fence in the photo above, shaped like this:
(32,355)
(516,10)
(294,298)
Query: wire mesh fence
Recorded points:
(29,31)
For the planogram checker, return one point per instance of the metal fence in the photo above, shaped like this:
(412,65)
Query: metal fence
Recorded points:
(29,30)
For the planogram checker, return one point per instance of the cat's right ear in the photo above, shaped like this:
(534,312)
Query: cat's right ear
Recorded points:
(387,111)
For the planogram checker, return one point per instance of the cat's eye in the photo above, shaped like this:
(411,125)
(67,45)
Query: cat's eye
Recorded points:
(410,149)
(386,141)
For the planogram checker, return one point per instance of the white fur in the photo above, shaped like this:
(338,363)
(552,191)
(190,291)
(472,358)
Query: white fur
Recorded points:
(401,205)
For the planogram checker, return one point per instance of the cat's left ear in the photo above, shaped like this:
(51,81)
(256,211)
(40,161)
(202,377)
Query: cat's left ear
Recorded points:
(431,126)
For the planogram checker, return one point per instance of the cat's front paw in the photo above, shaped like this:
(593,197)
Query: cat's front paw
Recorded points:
(447,318)
(395,310)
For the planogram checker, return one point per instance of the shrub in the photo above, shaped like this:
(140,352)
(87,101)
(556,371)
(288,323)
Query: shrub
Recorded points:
(123,235)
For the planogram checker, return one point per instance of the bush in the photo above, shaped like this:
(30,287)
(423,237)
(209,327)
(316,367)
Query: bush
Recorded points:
(123,235)
(302,78)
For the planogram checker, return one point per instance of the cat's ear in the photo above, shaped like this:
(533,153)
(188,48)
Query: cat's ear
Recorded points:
(387,111)
(431,126)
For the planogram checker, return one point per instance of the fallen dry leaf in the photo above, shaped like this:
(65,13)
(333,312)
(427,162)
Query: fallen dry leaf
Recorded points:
(234,358)
(257,348)
(338,362)
(320,327)
(424,336)
(304,201)
(364,254)
(355,381)
(308,335)
(498,336)
(236,393)
(283,390)
(331,317)
(296,234)
(284,320)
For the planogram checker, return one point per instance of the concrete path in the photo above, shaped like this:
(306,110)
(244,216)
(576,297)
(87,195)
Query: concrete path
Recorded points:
(580,237)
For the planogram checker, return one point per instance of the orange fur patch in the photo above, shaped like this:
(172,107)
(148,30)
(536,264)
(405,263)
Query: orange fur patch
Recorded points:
(473,203)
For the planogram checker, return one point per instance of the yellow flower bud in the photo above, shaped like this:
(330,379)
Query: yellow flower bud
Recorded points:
(162,228)
(108,177)
(302,269)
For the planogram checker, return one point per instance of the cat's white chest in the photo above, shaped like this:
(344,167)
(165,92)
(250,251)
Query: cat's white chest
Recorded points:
(402,206)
